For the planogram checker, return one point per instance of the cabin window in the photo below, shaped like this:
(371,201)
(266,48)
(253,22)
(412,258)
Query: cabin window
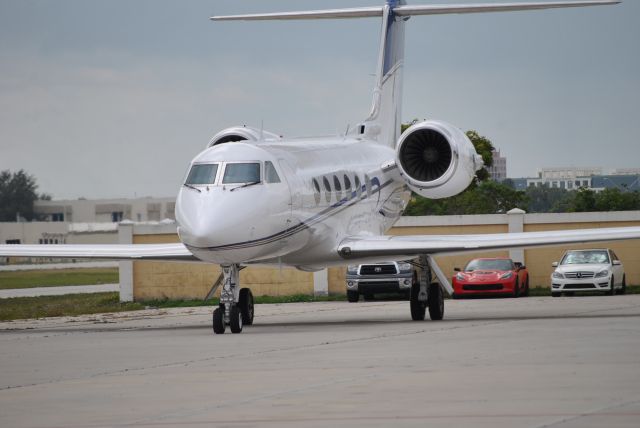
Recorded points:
(338,187)
(241,173)
(347,186)
(316,193)
(327,189)
(270,173)
(358,186)
(202,174)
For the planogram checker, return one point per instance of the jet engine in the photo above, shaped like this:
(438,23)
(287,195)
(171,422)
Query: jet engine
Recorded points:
(436,159)
(242,133)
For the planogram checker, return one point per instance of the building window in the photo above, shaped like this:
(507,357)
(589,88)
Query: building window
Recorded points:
(12,241)
(116,216)
(57,217)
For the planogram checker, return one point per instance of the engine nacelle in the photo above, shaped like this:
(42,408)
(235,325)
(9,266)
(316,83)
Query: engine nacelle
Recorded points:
(242,133)
(436,159)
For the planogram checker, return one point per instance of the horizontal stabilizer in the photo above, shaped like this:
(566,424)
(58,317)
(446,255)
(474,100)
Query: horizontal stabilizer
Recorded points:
(409,10)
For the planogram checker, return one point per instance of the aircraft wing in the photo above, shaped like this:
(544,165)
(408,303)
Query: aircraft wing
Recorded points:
(410,246)
(166,252)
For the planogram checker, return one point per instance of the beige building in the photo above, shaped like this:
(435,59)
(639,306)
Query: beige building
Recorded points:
(106,210)
(155,280)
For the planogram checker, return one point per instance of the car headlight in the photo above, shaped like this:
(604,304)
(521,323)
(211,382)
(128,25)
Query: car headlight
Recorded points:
(602,273)
(352,269)
(557,275)
(460,276)
(404,267)
(506,275)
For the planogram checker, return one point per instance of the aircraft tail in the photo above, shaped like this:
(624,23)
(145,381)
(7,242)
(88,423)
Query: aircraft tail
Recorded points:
(384,121)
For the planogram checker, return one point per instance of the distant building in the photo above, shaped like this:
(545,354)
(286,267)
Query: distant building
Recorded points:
(106,210)
(572,178)
(498,170)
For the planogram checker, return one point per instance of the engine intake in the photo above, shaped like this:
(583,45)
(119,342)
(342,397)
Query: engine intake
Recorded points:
(242,133)
(436,159)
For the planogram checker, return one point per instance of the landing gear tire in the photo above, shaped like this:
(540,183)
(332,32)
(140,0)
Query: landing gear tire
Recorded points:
(218,320)
(353,296)
(418,308)
(245,303)
(235,319)
(435,302)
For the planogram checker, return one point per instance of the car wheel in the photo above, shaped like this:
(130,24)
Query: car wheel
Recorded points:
(623,290)
(555,294)
(526,287)
(516,288)
(352,296)
(613,288)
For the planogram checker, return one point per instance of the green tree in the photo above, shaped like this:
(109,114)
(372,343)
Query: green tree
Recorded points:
(544,199)
(484,148)
(584,200)
(17,195)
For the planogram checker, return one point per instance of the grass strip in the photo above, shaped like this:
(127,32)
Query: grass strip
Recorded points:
(66,305)
(83,304)
(58,277)
(93,303)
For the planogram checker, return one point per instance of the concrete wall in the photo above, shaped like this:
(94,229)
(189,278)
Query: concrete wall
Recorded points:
(154,280)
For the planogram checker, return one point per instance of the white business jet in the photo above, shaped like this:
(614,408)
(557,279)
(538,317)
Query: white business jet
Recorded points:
(253,197)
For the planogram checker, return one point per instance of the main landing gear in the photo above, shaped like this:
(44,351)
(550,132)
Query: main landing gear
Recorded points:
(236,304)
(426,294)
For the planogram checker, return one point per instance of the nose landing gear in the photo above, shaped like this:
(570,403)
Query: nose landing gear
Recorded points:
(236,304)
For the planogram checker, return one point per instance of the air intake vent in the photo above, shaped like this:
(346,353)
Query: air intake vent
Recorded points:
(426,155)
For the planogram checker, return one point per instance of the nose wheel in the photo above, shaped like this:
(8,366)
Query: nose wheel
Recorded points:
(236,304)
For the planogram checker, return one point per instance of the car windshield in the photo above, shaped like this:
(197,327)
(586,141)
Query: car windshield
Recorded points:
(585,257)
(489,264)
(241,173)
(202,174)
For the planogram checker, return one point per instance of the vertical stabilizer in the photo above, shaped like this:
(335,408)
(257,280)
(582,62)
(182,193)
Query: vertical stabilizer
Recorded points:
(385,116)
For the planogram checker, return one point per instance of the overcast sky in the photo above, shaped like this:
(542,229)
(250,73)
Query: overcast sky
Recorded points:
(102,99)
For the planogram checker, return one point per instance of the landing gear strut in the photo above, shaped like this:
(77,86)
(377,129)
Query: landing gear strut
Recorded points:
(426,294)
(236,304)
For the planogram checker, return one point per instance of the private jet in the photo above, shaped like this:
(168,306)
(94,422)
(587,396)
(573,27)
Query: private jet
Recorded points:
(252,197)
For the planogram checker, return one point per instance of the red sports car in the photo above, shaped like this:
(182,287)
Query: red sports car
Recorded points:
(491,277)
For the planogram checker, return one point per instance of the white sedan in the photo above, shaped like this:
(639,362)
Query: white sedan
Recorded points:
(588,270)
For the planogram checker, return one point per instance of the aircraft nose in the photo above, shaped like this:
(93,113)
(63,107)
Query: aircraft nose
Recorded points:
(197,222)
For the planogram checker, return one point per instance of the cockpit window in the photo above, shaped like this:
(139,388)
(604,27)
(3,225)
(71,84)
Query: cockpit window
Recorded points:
(270,174)
(241,173)
(202,174)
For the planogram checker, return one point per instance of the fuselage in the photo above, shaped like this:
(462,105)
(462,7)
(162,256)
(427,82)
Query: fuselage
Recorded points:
(323,190)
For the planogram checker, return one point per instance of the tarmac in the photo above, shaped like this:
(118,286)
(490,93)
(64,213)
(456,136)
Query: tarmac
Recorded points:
(529,362)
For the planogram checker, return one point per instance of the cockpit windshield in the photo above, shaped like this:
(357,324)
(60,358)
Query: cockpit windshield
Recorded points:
(202,174)
(241,173)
